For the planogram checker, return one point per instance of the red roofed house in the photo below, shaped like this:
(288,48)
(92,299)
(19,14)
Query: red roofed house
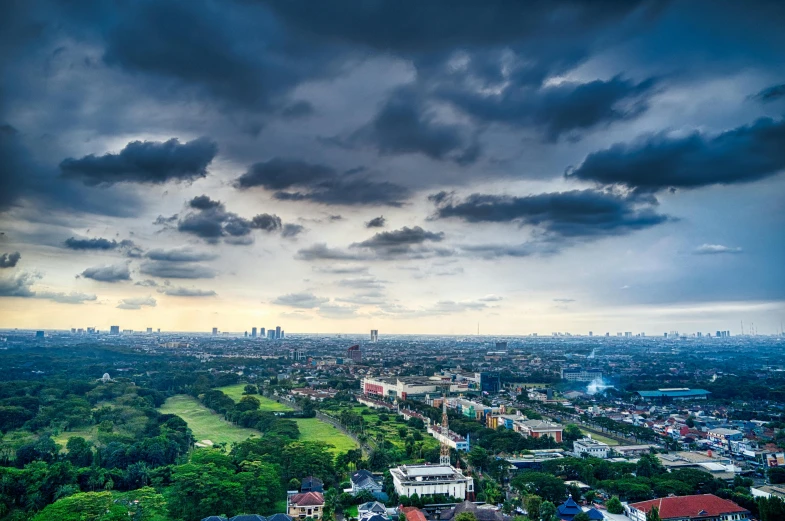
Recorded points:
(307,504)
(412,513)
(704,507)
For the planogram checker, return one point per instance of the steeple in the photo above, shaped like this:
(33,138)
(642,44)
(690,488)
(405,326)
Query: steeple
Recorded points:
(444,454)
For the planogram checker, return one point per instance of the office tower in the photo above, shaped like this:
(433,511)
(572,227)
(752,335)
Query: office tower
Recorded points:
(501,345)
(628,334)
(277,332)
(607,334)
(283,334)
(719,334)
(253,332)
(73,330)
(39,334)
(159,329)
(271,334)
(374,335)
(490,382)
(262,332)
(354,354)
(215,331)
(149,330)
(700,334)
(246,334)
(114,330)
(591,333)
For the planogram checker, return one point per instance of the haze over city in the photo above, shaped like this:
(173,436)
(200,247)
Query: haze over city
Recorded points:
(424,167)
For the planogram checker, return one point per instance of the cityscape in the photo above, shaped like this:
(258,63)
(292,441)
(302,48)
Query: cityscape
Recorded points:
(392,260)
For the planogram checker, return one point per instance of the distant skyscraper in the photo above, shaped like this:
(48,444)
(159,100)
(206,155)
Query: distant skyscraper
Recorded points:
(591,333)
(215,331)
(719,334)
(271,334)
(374,335)
(278,332)
(149,330)
(39,334)
(283,334)
(114,330)
(262,332)
(246,334)
(354,354)
(253,332)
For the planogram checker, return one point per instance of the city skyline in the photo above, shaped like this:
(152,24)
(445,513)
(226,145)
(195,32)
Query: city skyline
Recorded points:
(561,166)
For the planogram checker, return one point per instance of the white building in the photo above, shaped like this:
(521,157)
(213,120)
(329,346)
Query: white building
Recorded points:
(593,448)
(427,480)
(454,440)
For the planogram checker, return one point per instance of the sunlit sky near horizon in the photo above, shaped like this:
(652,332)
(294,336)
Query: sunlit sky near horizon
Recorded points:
(412,167)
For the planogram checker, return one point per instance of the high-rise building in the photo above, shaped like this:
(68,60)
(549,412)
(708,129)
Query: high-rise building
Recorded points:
(354,354)
(246,334)
(253,332)
(277,332)
(149,330)
(262,332)
(271,334)
(374,335)
(283,334)
(490,382)
(215,331)
(591,333)
(114,330)
(39,334)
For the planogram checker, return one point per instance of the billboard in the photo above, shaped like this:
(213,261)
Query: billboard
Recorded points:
(776,459)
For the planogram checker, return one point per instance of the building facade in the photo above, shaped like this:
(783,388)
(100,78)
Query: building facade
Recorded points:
(593,448)
(704,507)
(427,480)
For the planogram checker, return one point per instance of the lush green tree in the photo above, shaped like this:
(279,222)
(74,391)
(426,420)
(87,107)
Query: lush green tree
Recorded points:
(777,475)
(571,433)
(583,516)
(248,403)
(548,512)
(649,465)
(88,506)
(771,509)
(653,514)
(80,452)
(250,389)
(532,505)
(614,506)
(547,486)
(479,458)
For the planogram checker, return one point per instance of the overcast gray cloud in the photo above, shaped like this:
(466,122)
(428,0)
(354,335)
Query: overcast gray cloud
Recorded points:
(257,144)
(113,273)
(136,303)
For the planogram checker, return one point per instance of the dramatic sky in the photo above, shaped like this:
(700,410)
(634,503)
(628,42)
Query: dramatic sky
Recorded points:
(408,166)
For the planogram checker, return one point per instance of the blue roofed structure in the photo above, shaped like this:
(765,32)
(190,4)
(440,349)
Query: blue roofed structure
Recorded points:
(680,393)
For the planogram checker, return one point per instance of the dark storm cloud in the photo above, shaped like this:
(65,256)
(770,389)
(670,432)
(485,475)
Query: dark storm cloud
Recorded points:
(660,161)
(411,26)
(341,269)
(773,93)
(176,270)
(376,222)
(406,243)
(115,273)
(559,110)
(24,178)
(300,300)
(405,125)
(319,184)
(150,162)
(147,283)
(212,222)
(576,213)
(180,255)
(18,285)
(98,243)
(236,54)
(292,230)
(179,291)
(9,260)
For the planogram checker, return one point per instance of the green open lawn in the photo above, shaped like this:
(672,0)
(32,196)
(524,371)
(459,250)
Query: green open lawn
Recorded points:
(205,424)
(312,429)
(87,433)
(235,392)
(600,437)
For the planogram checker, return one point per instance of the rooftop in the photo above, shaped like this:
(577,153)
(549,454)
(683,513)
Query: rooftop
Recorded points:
(704,505)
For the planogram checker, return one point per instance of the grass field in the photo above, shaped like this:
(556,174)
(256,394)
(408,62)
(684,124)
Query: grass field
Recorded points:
(205,424)
(600,437)
(312,429)
(235,392)
(87,433)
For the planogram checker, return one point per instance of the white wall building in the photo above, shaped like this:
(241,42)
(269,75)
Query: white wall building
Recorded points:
(427,480)
(593,448)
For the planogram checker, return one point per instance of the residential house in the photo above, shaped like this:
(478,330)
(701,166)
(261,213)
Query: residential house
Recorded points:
(307,504)
(312,484)
(364,480)
(704,507)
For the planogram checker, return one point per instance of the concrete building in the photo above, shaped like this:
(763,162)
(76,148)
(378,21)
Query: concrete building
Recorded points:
(538,429)
(215,331)
(374,335)
(580,374)
(401,387)
(674,394)
(489,382)
(114,330)
(593,448)
(308,504)
(277,332)
(427,480)
(354,354)
(253,332)
(452,440)
(262,332)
